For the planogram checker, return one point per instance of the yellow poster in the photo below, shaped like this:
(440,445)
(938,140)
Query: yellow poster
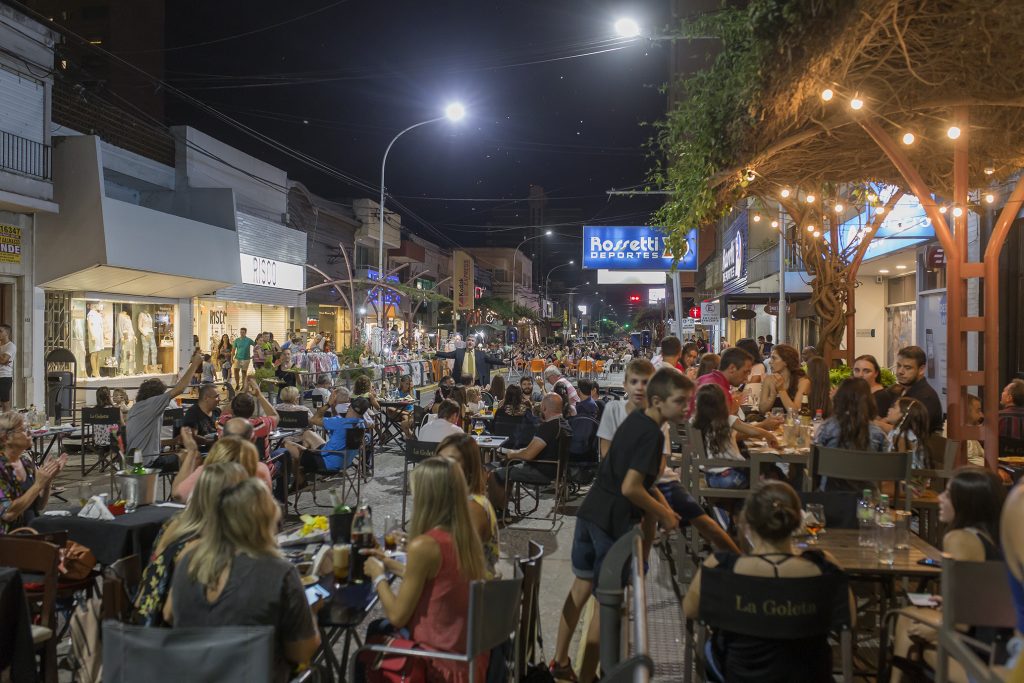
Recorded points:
(462,273)
(10,244)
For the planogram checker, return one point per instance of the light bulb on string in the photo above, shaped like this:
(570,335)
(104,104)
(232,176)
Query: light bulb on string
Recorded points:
(908,138)
(785,193)
(957,212)
(989,197)
(817,234)
(989,170)
(810,228)
(809,199)
(839,208)
(775,224)
(757,218)
(856,103)
(749,175)
(827,94)
(953,132)
(942,209)
(872,197)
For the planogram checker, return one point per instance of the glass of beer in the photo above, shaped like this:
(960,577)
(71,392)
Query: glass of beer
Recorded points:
(815,520)
(339,556)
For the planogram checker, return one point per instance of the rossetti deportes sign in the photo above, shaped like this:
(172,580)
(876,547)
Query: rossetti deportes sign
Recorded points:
(634,248)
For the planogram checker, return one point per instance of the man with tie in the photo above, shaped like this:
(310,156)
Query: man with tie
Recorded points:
(472,365)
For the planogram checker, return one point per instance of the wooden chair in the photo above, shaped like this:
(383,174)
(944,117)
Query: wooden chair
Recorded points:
(492,620)
(528,632)
(973,594)
(696,462)
(38,557)
(861,466)
(926,506)
(415,453)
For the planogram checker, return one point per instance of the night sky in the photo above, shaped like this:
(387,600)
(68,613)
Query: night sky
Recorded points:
(339,83)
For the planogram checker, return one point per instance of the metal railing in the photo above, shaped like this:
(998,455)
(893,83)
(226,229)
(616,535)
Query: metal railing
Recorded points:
(610,594)
(22,155)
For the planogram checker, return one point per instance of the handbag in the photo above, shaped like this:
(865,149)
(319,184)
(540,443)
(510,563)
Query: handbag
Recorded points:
(380,667)
(76,560)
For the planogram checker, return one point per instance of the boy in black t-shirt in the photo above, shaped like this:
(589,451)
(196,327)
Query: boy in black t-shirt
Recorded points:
(621,496)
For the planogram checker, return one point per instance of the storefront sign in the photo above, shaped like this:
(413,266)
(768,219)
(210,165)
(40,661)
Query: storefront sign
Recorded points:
(634,248)
(462,273)
(734,255)
(266,272)
(936,258)
(390,296)
(695,311)
(10,243)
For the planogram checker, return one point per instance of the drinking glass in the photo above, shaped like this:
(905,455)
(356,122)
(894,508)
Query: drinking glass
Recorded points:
(815,520)
(84,492)
(901,520)
(339,557)
(885,543)
(779,413)
(478,427)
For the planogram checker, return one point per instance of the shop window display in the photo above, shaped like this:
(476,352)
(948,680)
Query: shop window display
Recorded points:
(120,339)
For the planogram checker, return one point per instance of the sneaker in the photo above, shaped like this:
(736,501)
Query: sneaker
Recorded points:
(562,673)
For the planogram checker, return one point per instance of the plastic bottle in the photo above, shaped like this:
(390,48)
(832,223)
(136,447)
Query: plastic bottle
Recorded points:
(883,515)
(819,418)
(866,520)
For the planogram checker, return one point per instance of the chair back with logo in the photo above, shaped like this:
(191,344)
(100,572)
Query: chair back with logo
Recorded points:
(292,419)
(227,654)
(97,417)
(415,453)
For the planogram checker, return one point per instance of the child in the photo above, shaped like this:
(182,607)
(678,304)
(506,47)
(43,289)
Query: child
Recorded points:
(620,497)
(910,419)
(208,369)
(719,428)
(473,404)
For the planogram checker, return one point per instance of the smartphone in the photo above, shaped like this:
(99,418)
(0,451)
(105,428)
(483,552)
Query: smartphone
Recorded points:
(929,562)
(316,593)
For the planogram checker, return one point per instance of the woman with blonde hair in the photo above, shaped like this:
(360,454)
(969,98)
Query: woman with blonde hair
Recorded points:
(463,449)
(226,449)
(444,556)
(24,488)
(179,534)
(235,576)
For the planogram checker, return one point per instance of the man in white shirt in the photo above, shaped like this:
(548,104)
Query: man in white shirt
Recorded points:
(554,377)
(7,353)
(446,424)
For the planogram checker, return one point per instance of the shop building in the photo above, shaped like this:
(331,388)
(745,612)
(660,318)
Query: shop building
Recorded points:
(119,292)
(26,189)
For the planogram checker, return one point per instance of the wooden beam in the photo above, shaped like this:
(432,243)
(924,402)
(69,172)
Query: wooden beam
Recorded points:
(972,323)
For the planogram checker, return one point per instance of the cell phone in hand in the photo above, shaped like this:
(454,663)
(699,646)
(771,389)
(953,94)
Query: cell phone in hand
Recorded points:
(316,593)
(929,562)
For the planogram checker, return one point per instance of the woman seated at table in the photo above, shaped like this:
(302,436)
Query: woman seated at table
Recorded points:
(444,555)
(908,418)
(770,516)
(851,426)
(514,404)
(363,388)
(463,449)
(787,384)
(291,401)
(24,488)
(866,368)
(226,449)
(235,576)
(719,428)
(497,389)
(179,534)
(819,395)
(970,507)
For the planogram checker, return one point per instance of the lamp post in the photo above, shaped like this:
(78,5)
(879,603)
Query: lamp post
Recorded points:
(515,273)
(547,279)
(453,112)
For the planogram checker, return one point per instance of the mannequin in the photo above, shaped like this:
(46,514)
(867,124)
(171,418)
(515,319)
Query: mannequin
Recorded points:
(148,340)
(94,324)
(126,335)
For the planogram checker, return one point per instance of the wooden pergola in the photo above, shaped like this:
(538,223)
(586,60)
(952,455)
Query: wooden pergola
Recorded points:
(926,95)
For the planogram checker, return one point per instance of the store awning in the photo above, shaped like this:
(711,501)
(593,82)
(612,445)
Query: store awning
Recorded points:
(115,280)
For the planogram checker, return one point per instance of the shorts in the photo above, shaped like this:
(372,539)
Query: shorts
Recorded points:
(680,501)
(728,479)
(590,544)
(5,388)
(243,365)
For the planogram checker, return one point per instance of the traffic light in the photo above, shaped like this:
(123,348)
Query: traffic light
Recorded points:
(634,298)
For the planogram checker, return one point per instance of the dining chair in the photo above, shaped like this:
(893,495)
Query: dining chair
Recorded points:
(415,453)
(862,466)
(528,630)
(38,558)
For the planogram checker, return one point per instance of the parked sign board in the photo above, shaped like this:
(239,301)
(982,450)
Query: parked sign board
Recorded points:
(614,247)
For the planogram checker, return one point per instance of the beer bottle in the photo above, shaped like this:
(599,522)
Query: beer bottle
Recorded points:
(362,539)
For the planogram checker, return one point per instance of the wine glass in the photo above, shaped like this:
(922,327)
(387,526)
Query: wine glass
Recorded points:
(478,427)
(814,521)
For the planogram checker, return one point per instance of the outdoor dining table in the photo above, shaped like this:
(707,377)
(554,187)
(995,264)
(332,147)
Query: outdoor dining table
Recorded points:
(799,459)
(342,613)
(56,434)
(861,563)
(111,539)
(489,445)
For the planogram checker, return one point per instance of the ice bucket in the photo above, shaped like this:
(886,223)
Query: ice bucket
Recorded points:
(140,488)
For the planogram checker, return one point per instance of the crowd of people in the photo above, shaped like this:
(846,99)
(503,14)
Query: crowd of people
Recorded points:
(218,563)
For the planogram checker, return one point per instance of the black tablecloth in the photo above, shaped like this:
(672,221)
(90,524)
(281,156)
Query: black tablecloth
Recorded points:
(110,540)
(16,649)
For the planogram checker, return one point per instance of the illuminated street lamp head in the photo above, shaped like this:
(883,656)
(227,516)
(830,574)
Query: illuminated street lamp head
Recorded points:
(455,111)
(627,28)
(571,262)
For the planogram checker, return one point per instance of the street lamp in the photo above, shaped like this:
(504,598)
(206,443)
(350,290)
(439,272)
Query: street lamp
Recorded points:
(547,279)
(627,27)
(453,112)
(547,233)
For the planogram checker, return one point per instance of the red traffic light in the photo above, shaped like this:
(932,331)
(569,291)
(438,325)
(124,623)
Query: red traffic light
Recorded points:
(634,298)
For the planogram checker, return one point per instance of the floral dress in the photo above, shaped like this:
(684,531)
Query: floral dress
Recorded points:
(11,489)
(157,578)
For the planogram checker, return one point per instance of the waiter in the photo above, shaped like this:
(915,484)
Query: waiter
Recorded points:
(472,365)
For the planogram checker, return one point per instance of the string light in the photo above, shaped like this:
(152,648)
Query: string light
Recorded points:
(810,228)
(989,170)
(817,234)
(957,212)
(953,132)
(908,138)
(856,103)
(989,198)
(785,193)
(839,208)
(809,199)
(942,209)
(775,224)
(872,197)
(750,175)
(757,218)
(880,210)
(827,94)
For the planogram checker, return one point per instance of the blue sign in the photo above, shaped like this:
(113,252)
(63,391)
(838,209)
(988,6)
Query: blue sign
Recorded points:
(608,247)
(734,255)
(391,297)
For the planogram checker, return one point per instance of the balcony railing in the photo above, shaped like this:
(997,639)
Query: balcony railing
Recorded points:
(22,155)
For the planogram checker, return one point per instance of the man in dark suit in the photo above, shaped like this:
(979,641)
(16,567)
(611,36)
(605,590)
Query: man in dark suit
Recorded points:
(472,365)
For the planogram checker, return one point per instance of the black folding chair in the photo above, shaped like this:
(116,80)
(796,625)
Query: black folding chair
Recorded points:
(93,418)
(415,453)
(292,419)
